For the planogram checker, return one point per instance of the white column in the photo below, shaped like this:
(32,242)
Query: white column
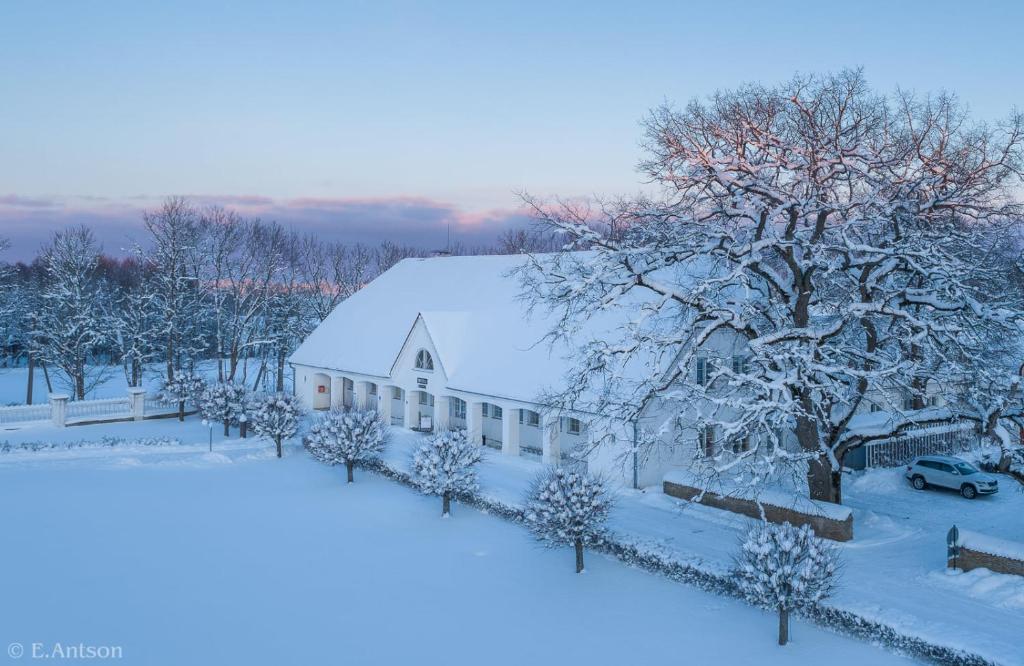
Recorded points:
(362,393)
(475,421)
(58,409)
(137,400)
(384,402)
(337,391)
(549,439)
(509,430)
(441,413)
(412,409)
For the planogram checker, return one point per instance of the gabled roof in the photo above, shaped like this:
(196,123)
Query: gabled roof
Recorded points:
(487,342)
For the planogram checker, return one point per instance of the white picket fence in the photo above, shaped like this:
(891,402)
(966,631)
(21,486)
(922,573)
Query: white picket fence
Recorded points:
(948,439)
(60,411)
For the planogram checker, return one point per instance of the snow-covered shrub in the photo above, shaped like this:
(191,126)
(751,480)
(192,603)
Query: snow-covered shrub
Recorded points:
(786,568)
(104,442)
(568,508)
(346,437)
(276,416)
(185,386)
(224,402)
(445,465)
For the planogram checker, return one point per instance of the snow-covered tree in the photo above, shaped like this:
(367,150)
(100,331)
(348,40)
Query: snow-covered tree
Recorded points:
(184,387)
(224,402)
(786,568)
(834,244)
(445,465)
(135,331)
(276,416)
(175,285)
(72,326)
(342,437)
(567,507)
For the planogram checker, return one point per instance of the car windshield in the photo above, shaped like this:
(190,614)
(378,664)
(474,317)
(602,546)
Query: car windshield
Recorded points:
(964,468)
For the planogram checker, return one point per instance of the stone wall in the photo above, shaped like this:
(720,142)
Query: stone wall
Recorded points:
(823,526)
(974,559)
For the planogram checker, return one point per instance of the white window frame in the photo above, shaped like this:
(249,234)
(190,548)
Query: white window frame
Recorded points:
(496,412)
(457,408)
(573,426)
(484,409)
(424,361)
(706,441)
(701,370)
(396,392)
(372,388)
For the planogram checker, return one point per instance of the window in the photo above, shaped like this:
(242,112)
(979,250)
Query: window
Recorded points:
(702,371)
(396,393)
(495,412)
(908,401)
(528,417)
(740,365)
(573,426)
(740,445)
(875,408)
(457,408)
(424,361)
(373,389)
(706,441)
(424,398)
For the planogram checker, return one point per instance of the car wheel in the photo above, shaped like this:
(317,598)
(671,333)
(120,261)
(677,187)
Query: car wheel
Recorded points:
(968,491)
(918,483)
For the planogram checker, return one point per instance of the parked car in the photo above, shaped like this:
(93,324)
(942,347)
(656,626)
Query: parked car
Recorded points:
(951,472)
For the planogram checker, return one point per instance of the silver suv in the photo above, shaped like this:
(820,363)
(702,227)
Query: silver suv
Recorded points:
(951,472)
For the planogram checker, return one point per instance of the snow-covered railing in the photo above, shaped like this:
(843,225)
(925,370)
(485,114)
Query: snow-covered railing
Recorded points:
(24,414)
(157,405)
(61,411)
(948,439)
(89,410)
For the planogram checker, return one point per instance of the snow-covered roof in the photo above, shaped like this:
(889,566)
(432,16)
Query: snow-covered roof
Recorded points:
(487,341)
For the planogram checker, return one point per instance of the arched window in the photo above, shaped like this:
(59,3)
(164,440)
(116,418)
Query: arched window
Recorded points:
(424,361)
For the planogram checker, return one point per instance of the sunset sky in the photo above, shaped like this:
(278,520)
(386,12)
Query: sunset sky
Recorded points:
(366,121)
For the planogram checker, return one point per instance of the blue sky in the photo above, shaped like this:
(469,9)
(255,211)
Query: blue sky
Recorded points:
(371,120)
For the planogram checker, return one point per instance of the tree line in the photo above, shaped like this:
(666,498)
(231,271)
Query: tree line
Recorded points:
(206,283)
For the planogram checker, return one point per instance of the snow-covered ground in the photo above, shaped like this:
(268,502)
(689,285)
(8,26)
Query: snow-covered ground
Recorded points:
(894,569)
(181,556)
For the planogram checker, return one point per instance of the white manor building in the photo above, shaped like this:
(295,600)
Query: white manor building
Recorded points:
(447,342)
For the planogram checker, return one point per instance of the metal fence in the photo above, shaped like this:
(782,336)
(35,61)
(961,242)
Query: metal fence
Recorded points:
(941,440)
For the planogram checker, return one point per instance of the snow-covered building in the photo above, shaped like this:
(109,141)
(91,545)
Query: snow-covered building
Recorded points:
(448,342)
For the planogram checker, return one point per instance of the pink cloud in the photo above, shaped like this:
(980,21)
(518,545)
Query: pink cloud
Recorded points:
(420,221)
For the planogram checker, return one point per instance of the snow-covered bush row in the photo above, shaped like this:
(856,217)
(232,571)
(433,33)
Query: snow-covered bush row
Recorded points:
(342,437)
(104,442)
(650,557)
(445,465)
(568,508)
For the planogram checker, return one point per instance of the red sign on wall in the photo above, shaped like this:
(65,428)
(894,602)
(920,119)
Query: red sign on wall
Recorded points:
(321,389)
